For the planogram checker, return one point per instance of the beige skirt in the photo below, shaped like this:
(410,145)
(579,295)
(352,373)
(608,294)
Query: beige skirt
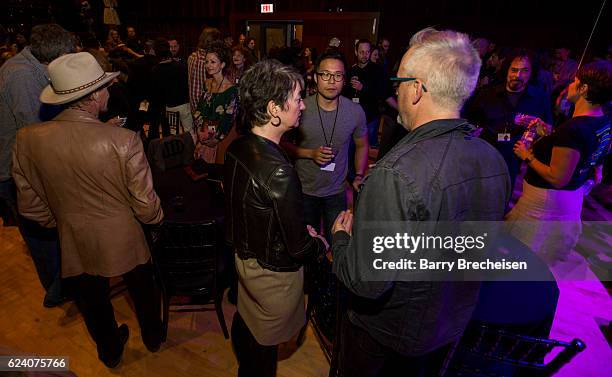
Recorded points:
(548,221)
(271,303)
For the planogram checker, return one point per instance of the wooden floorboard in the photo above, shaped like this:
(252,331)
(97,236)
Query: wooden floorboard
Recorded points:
(195,345)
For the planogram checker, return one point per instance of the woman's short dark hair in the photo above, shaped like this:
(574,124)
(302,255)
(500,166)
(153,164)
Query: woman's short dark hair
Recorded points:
(50,41)
(598,76)
(268,80)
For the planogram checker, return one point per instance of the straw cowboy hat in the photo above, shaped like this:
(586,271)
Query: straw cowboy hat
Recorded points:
(74,76)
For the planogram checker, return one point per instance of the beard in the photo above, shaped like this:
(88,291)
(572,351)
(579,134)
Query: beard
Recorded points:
(516,85)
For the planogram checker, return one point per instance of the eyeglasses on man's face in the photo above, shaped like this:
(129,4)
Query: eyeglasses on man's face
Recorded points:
(405,79)
(326,76)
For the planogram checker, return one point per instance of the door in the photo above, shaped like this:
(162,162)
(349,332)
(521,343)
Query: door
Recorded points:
(273,34)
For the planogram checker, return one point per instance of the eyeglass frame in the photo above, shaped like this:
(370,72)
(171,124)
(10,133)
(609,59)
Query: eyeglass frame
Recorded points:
(320,74)
(406,79)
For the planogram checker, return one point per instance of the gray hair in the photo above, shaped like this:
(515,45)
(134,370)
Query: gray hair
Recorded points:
(268,80)
(447,63)
(50,41)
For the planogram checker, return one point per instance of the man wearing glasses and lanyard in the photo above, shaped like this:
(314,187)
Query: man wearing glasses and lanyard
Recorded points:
(321,145)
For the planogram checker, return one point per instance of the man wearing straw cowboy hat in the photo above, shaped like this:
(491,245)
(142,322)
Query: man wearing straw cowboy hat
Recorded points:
(93,182)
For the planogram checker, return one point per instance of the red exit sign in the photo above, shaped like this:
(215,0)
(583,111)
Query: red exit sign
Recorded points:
(267,8)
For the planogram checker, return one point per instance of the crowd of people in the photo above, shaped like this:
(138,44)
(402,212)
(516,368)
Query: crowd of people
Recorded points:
(291,129)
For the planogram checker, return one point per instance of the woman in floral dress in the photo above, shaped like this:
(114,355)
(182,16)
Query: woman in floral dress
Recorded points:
(216,109)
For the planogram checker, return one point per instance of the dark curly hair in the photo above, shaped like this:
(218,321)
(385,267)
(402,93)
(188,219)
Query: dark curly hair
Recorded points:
(598,76)
(268,80)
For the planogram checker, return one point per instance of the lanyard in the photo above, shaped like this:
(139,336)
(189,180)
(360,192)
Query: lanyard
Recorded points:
(328,143)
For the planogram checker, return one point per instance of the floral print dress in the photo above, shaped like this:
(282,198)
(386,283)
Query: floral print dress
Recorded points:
(215,115)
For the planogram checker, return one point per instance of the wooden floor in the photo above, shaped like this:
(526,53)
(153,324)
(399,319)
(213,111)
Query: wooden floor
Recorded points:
(195,345)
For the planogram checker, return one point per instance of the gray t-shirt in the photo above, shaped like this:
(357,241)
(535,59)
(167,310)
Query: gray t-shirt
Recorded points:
(351,122)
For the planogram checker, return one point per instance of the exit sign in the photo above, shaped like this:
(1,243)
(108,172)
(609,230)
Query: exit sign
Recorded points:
(267,8)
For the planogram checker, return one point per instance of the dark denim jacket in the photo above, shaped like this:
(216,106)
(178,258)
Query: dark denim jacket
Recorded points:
(437,172)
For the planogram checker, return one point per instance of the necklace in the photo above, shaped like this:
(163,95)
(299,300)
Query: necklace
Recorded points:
(210,94)
(328,143)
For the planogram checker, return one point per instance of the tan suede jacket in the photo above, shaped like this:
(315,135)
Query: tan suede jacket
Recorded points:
(93,182)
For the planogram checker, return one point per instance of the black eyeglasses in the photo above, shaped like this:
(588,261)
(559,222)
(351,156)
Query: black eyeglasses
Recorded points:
(326,76)
(404,79)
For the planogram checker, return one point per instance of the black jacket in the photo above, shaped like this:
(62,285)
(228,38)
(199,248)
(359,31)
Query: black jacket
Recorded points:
(437,172)
(263,197)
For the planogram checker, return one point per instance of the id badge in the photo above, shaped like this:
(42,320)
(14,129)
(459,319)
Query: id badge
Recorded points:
(503,137)
(329,167)
(356,99)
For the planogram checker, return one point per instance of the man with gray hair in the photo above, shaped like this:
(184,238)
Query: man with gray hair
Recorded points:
(22,79)
(438,172)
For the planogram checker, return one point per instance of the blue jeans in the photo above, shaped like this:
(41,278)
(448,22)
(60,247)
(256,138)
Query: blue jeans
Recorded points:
(325,207)
(43,244)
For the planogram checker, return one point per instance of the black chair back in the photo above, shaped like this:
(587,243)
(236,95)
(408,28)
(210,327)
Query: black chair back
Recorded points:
(188,263)
(170,152)
(173,121)
(485,351)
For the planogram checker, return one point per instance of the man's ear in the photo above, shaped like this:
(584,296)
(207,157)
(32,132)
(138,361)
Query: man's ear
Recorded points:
(418,93)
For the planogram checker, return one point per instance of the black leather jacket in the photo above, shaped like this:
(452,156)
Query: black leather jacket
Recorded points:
(263,196)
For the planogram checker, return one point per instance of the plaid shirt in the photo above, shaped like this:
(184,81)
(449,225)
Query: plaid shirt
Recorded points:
(197,76)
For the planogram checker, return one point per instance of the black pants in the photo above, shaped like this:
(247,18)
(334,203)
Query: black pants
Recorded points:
(92,295)
(254,359)
(326,207)
(361,355)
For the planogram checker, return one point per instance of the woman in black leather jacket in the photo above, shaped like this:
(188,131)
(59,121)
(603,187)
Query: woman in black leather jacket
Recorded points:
(264,219)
